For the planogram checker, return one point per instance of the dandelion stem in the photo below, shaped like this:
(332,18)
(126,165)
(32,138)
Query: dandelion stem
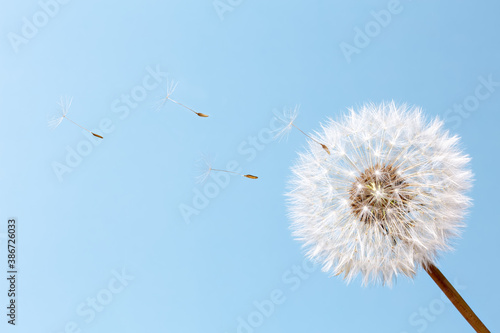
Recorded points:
(77,124)
(96,135)
(456,299)
(322,145)
(197,113)
(236,173)
(305,133)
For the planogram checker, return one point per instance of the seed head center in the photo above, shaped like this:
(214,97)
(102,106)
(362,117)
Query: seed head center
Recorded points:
(377,192)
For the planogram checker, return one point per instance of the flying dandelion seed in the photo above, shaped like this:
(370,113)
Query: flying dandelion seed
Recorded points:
(287,119)
(65,104)
(171,85)
(389,197)
(207,170)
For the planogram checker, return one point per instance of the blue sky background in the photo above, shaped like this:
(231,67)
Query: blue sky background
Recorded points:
(118,210)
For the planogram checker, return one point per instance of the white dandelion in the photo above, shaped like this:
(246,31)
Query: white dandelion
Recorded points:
(171,85)
(389,197)
(65,104)
(287,119)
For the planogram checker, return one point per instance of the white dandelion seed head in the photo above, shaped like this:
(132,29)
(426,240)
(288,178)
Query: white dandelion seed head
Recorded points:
(404,205)
(64,105)
(286,119)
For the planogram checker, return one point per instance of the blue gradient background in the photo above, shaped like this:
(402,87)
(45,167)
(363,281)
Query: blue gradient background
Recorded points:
(120,207)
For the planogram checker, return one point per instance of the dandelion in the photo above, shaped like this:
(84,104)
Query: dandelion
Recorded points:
(386,201)
(171,85)
(287,119)
(65,104)
(207,170)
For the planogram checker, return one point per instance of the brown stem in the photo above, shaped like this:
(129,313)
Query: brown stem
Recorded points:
(456,299)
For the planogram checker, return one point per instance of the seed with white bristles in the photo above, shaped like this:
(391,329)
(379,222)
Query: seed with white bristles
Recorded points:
(65,104)
(171,85)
